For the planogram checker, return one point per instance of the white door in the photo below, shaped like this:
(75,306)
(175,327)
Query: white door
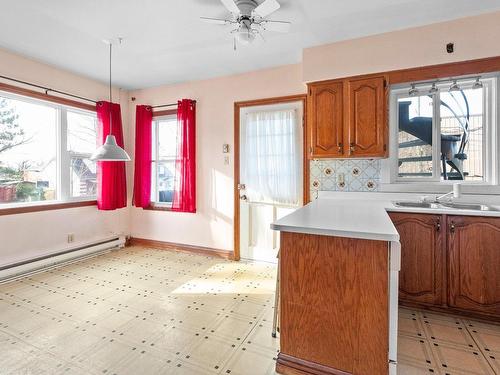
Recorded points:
(270,174)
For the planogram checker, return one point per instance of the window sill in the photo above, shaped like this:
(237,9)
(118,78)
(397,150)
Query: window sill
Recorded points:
(154,207)
(45,207)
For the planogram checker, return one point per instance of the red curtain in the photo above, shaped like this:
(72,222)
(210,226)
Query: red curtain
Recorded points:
(184,199)
(111,180)
(143,140)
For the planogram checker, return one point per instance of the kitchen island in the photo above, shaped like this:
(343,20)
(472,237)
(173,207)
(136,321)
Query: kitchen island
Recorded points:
(339,264)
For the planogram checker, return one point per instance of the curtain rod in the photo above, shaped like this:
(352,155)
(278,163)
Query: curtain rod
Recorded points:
(168,105)
(48,89)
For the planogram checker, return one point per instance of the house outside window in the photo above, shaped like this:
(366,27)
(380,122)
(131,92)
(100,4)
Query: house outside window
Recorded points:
(44,152)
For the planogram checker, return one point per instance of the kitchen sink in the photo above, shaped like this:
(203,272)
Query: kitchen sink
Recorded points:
(453,205)
(469,206)
(417,204)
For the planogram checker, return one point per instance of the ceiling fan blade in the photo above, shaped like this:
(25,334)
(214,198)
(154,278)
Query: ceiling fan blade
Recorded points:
(266,8)
(216,21)
(231,6)
(278,26)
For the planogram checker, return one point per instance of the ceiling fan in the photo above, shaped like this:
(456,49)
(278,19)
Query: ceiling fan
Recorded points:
(248,19)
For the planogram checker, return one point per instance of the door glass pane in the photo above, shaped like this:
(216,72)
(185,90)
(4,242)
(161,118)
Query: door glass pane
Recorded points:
(462,125)
(28,151)
(415,124)
(83,177)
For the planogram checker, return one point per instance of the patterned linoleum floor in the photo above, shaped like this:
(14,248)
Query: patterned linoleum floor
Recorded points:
(145,311)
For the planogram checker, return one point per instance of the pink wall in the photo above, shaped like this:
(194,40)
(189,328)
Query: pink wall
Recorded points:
(212,225)
(30,235)
(474,37)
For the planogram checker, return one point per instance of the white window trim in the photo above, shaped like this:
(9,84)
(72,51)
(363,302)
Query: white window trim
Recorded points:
(155,162)
(63,156)
(491,184)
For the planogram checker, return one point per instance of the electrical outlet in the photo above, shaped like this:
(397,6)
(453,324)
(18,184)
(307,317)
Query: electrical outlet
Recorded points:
(71,237)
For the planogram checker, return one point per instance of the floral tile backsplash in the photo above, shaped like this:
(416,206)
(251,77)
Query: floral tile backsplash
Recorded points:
(344,175)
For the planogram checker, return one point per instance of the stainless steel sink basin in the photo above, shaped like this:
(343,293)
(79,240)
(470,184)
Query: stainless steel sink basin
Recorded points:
(452,205)
(417,204)
(469,206)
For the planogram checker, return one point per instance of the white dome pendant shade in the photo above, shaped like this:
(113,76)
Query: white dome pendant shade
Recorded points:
(110,151)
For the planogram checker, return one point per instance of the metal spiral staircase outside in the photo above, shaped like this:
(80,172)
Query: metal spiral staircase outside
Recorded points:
(452,145)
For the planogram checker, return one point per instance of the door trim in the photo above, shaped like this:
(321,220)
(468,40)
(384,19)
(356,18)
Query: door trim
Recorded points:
(305,162)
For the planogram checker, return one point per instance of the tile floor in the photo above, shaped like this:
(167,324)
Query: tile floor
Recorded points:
(146,311)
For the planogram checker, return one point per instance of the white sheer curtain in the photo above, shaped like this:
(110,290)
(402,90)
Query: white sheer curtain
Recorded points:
(271,155)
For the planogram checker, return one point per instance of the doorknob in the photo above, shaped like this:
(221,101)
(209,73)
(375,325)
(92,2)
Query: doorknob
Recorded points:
(243,197)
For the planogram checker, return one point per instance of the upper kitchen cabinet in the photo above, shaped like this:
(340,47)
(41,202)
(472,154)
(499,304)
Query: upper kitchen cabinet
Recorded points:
(326,119)
(347,118)
(367,127)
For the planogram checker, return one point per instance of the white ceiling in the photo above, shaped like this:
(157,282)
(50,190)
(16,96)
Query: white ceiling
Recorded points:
(165,42)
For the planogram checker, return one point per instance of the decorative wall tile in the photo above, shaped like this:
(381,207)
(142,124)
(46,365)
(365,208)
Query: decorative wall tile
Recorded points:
(344,175)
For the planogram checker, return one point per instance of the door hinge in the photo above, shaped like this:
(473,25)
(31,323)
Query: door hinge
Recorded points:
(385,147)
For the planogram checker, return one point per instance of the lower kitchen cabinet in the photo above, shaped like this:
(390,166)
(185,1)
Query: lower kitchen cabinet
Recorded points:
(450,262)
(422,257)
(474,263)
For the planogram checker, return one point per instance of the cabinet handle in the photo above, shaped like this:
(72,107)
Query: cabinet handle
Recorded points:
(452,228)
(438,226)
(340,146)
(351,148)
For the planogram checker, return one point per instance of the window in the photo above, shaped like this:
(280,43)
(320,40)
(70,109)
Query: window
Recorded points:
(442,131)
(164,154)
(44,151)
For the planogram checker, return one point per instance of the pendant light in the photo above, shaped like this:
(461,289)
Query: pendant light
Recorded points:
(110,151)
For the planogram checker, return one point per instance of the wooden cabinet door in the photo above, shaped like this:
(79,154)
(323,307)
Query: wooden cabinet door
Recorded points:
(367,118)
(474,263)
(326,120)
(422,257)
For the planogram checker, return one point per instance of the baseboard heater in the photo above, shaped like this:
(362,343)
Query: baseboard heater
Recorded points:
(15,270)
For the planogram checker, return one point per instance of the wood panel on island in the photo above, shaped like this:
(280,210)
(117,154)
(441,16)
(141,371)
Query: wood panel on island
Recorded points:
(333,322)
(348,118)
(450,263)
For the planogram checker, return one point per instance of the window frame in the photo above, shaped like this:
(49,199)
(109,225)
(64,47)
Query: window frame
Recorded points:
(391,182)
(63,156)
(155,161)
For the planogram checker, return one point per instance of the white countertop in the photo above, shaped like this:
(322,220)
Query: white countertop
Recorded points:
(358,215)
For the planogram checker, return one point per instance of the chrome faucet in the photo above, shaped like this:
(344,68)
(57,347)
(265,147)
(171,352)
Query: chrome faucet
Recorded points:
(457,193)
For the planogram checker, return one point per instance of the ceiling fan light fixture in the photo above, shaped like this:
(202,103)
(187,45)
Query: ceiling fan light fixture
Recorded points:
(245,34)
